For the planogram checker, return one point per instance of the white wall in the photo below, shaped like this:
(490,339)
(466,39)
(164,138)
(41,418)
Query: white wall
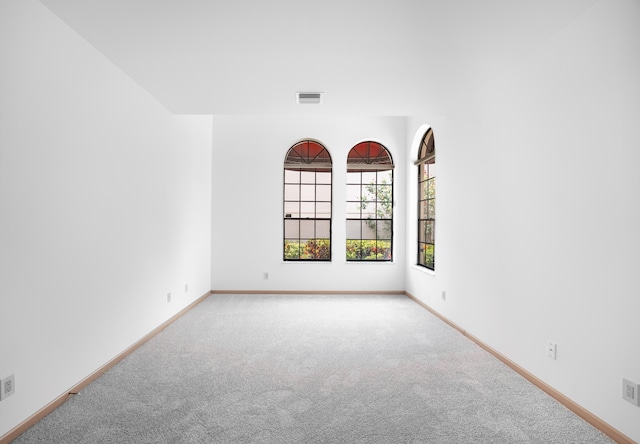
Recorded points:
(248,158)
(538,212)
(105,207)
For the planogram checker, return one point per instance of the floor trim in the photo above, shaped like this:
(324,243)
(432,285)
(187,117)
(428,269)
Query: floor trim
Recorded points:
(57,402)
(580,411)
(397,292)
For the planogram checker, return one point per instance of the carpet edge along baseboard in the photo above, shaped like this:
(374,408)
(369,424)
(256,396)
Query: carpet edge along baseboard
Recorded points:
(580,411)
(577,409)
(50,407)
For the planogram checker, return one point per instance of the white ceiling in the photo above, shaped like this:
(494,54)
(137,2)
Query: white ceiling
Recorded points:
(368,57)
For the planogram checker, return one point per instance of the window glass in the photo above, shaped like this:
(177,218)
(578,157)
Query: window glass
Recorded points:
(369,203)
(426,201)
(307,202)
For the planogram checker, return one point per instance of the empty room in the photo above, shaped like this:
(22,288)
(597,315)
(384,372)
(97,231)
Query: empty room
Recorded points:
(219,221)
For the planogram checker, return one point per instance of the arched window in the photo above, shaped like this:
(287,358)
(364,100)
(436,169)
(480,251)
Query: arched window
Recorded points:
(427,201)
(369,203)
(307,202)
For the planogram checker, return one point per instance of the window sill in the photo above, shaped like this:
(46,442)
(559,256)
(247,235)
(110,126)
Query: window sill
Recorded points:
(424,270)
(369,262)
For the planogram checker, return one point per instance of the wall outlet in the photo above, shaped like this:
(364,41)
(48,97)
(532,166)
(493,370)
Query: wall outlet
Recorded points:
(443,295)
(551,349)
(168,297)
(7,387)
(186,288)
(266,275)
(630,392)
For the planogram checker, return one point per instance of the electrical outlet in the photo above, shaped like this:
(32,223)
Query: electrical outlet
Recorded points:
(630,392)
(7,387)
(551,350)
(186,288)
(266,275)
(444,295)
(168,297)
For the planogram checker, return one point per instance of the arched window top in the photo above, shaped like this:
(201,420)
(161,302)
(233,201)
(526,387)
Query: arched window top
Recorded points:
(427,149)
(307,154)
(369,156)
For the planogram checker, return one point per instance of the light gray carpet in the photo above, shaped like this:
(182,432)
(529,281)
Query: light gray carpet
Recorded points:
(310,369)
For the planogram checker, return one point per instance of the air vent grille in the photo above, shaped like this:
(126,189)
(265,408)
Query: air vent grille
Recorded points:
(309,97)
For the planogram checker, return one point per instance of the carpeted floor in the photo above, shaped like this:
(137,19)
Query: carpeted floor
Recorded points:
(310,369)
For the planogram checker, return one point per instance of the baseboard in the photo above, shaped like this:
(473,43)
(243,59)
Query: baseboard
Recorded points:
(29,422)
(397,292)
(580,411)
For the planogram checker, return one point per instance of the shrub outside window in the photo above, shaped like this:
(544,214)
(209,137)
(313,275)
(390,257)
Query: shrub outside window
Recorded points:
(307,202)
(369,203)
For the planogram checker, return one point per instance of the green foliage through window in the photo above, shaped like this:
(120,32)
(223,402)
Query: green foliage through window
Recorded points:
(360,250)
(319,249)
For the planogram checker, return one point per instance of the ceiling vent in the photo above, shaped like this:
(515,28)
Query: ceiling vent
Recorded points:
(309,97)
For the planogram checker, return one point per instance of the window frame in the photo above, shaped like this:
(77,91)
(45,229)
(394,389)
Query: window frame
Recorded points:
(307,158)
(426,199)
(369,159)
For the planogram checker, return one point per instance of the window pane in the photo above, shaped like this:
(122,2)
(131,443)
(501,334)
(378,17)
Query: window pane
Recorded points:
(385,176)
(307,210)
(291,209)
(323,193)
(429,231)
(354,249)
(368,229)
(431,209)
(384,210)
(323,229)
(323,177)
(369,210)
(383,250)
(307,192)
(422,230)
(353,229)
(384,192)
(368,177)
(420,254)
(431,170)
(307,229)
(384,229)
(291,249)
(319,248)
(292,229)
(308,177)
(423,210)
(323,210)
(353,177)
(369,192)
(291,192)
(424,190)
(291,176)
(431,188)
(429,256)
